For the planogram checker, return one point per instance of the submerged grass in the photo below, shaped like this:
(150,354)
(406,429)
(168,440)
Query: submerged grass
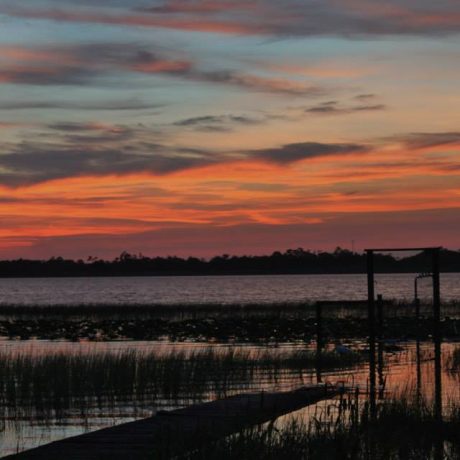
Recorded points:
(223,322)
(338,308)
(55,385)
(163,311)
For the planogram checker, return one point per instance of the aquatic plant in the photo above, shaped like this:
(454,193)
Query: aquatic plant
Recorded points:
(343,308)
(239,322)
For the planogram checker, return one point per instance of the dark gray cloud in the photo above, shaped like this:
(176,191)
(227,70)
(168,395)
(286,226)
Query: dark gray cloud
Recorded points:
(257,83)
(87,150)
(368,108)
(291,153)
(217,123)
(207,119)
(90,133)
(122,105)
(75,127)
(332,108)
(59,75)
(365,97)
(33,163)
(425,140)
(203,7)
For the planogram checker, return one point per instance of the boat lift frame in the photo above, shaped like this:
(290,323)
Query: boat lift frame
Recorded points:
(437,335)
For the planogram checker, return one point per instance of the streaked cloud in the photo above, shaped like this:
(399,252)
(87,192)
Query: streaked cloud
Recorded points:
(426,140)
(32,163)
(109,105)
(94,150)
(333,108)
(82,64)
(349,18)
(79,64)
(292,153)
(217,123)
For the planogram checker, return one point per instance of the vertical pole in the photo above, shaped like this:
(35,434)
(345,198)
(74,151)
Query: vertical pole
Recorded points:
(417,343)
(437,337)
(371,319)
(380,344)
(319,341)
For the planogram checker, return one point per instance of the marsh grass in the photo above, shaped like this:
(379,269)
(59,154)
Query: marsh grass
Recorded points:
(57,385)
(452,362)
(404,429)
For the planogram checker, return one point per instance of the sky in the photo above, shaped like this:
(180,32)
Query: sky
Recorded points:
(203,127)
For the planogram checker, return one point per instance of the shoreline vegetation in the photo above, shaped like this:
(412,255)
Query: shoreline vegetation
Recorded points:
(214,322)
(292,261)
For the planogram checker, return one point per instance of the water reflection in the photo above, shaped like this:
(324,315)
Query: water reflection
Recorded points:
(263,289)
(400,376)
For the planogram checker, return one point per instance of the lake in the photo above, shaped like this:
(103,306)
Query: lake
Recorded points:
(30,423)
(264,289)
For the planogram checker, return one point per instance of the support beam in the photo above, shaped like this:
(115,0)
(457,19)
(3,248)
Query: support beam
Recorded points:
(437,336)
(371,319)
(319,341)
(380,344)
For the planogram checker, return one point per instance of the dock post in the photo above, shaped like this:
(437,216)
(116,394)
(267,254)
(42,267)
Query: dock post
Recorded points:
(371,320)
(437,336)
(380,363)
(319,341)
(418,356)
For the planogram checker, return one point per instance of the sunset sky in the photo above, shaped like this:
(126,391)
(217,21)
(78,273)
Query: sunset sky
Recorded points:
(207,127)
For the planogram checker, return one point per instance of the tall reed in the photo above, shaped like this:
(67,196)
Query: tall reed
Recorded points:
(404,429)
(55,385)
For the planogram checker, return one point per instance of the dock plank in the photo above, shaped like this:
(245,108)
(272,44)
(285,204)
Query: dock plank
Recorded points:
(170,433)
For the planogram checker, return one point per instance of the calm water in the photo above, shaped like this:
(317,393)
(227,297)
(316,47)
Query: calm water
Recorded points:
(215,289)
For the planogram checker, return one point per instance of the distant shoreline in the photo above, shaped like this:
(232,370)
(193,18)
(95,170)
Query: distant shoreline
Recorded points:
(291,262)
(190,275)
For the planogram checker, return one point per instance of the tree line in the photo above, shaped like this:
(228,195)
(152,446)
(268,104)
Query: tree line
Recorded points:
(291,261)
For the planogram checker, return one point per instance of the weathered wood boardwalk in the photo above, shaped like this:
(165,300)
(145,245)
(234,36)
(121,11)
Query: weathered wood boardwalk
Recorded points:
(169,433)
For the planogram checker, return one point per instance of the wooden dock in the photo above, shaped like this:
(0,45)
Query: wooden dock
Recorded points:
(170,433)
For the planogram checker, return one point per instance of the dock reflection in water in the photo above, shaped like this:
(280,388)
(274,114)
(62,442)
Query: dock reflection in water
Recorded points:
(400,378)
